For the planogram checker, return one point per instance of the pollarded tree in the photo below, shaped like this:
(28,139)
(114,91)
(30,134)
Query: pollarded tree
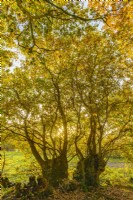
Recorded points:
(102,84)
(37,110)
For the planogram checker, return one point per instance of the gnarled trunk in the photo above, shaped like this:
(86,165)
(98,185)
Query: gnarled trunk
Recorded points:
(59,170)
(56,170)
(89,170)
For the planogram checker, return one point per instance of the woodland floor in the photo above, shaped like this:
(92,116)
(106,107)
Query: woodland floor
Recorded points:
(102,193)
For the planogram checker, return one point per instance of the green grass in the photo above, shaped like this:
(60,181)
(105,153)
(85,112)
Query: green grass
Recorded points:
(117,160)
(118,176)
(19,166)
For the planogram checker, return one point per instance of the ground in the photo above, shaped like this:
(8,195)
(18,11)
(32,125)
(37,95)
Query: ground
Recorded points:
(102,193)
(109,193)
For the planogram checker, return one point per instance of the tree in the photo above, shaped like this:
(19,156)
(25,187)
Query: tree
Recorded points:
(102,104)
(72,88)
(37,109)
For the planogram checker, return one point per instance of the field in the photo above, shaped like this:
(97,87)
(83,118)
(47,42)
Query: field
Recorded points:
(19,166)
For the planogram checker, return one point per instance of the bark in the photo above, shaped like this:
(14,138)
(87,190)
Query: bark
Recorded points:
(59,170)
(94,165)
(54,170)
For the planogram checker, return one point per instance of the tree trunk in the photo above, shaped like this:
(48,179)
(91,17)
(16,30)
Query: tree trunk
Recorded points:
(94,165)
(54,170)
(59,170)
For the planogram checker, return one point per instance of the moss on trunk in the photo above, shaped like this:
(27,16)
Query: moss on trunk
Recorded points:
(56,170)
(89,169)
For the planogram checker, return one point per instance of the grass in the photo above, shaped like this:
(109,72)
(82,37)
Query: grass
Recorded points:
(118,160)
(118,174)
(19,166)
